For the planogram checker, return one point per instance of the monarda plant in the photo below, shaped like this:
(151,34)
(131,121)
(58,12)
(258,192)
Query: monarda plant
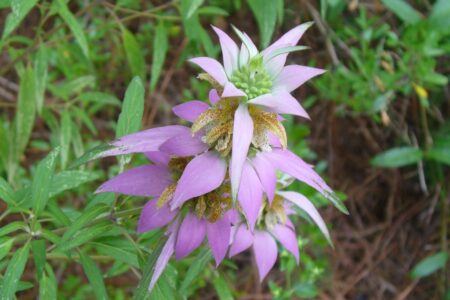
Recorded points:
(219,180)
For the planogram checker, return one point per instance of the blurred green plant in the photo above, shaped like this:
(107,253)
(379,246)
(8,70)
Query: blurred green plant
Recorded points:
(77,57)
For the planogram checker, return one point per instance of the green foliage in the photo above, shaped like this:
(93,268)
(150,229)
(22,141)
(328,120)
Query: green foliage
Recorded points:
(134,53)
(403,10)
(20,9)
(16,266)
(40,187)
(160,47)
(132,109)
(94,275)
(429,265)
(74,26)
(397,157)
(264,11)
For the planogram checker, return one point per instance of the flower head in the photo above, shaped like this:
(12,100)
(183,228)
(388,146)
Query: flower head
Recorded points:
(252,88)
(189,199)
(220,178)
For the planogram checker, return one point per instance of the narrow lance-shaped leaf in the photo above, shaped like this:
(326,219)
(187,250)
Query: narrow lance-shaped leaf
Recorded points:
(65,136)
(85,235)
(193,7)
(147,272)
(20,10)
(38,250)
(94,275)
(132,109)
(73,24)
(134,54)
(429,265)
(403,10)
(160,46)
(40,76)
(397,157)
(14,271)
(197,266)
(25,113)
(5,246)
(222,288)
(48,285)
(265,12)
(6,192)
(40,186)
(67,180)
(87,216)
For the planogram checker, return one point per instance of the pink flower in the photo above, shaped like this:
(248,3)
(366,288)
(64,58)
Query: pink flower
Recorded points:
(183,171)
(274,225)
(253,80)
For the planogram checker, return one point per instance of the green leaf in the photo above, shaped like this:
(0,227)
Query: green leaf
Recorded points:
(142,290)
(48,287)
(5,246)
(40,187)
(306,290)
(435,78)
(99,98)
(6,192)
(397,157)
(197,266)
(87,216)
(54,209)
(11,227)
(38,250)
(160,46)
(5,135)
(165,288)
(280,11)
(5,3)
(73,24)
(25,113)
(84,236)
(439,154)
(134,54)
(14,271)
(65,136)
(130,117)
(91,154)
(265,12)
(438,18)
(67,180)
(40,66)
(20,10)
(212,11)
(118,253)
(222,288)
(429,265)
(403,10)
(194,5)
(94,275)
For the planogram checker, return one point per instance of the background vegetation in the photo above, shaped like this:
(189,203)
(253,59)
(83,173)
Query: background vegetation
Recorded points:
(379,132)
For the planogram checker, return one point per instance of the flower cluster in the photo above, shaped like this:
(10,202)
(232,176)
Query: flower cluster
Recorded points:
(221,178)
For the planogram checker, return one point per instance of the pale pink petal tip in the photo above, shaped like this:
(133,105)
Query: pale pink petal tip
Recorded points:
(265,249)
